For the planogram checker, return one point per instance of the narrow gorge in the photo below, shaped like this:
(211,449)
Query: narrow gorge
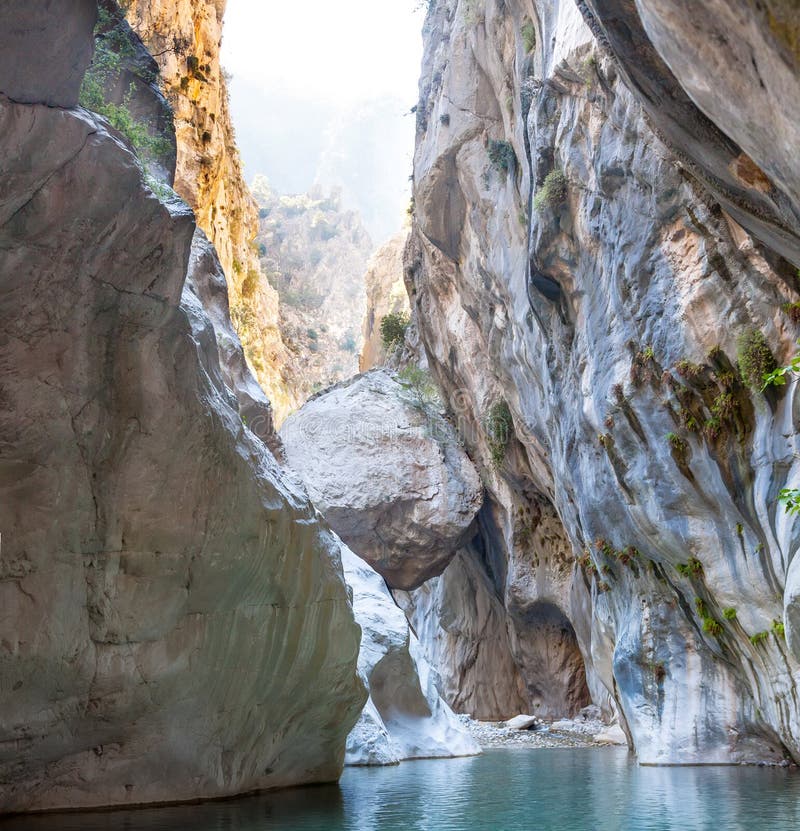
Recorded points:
(513,491)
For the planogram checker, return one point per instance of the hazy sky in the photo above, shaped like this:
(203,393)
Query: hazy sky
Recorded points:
(341,51)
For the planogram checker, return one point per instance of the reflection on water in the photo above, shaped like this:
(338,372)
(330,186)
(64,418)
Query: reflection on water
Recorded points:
(503,790)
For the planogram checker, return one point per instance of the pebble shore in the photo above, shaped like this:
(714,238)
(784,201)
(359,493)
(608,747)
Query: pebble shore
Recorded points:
(561,734)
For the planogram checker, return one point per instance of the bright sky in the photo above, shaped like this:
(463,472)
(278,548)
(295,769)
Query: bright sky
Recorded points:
(343,51)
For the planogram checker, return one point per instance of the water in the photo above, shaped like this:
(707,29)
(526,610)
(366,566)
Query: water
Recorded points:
(593,789)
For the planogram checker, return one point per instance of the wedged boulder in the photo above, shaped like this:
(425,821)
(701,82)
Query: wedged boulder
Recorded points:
(388,473)
(405,717)
(174,623)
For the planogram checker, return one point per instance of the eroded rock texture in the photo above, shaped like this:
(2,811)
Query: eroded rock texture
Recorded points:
(570,264)
(405,717)
(173,619)
(388,474)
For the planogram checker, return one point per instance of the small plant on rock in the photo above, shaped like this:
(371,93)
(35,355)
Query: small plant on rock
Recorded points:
(792,310)
(778,629)
(528,32)
(501,155)
(758,638)
(729,613)
(553,191)
(393,329)
(756,361)
(499,426)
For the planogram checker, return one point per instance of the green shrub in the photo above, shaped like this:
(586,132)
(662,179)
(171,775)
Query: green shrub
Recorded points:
(792,310)
(312,334)
(791,499)
(250,283)
(756,360)
(676,442)
(778,629)
(758,638)
(692,568)
(421,386)
(528,32)
(393,329)
(501,155)
(729,613)
(713,627)
(687,369)
(111,46)
(553,191)
(498,425)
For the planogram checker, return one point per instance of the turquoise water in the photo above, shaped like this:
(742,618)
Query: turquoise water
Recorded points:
(505,789)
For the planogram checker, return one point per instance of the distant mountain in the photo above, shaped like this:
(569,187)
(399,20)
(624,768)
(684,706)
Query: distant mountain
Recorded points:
(365,150)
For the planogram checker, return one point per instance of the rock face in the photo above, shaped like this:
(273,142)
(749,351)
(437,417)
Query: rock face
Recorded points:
(314,253)
(174,620)
(387,472)
(386,294)
(569,267)
(185,36)
(405,717)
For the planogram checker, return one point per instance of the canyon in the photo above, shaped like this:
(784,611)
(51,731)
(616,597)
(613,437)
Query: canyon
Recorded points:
(559,485)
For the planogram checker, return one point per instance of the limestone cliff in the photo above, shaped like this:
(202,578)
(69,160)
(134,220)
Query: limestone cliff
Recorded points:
(185,39)
(598,280)
(174,624)
(386,294)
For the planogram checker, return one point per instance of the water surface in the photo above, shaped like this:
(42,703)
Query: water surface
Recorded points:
(592,789)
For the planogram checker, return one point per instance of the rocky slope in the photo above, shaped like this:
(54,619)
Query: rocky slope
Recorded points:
(174,619)
(185,37)
(386,294)
(314,252)
(592,303)
(387,471)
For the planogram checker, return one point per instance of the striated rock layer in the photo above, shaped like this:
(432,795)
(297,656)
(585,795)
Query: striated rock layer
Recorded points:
(185,37)
(173,619)
(586,290)
(388,474)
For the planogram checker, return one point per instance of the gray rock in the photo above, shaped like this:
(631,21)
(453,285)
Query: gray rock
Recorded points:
(387,472)
(45,47)
(405,717)
(607,314)
(522,722)
(162,579)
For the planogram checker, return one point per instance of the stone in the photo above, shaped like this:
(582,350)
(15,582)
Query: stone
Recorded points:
(387,472)
(405,717)
(612,735)
(175,624)
(57,44)
(522,722)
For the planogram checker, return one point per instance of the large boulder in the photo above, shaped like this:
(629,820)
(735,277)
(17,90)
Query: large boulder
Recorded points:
(387,471)
(174,623)
(405,718)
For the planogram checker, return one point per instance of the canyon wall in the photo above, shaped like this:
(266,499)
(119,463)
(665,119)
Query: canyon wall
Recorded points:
(184,37)
(386,294)
(174,622)
(603,263)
